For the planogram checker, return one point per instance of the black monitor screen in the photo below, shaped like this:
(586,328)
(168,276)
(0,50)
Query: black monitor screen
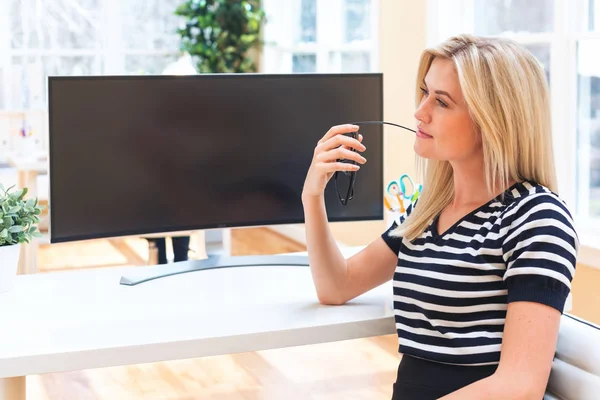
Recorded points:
(145,154)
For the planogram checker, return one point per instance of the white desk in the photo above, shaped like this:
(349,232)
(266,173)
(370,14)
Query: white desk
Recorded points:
(83,319)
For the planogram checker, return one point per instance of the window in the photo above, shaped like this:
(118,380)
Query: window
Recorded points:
(305,36)
(587,39)
(564,35)
(494,17)
(588,135)
(80,37)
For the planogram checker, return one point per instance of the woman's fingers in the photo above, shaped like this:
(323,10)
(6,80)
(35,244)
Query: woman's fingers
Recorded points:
(338,130)
(340,140)
(339,166)
(341,153)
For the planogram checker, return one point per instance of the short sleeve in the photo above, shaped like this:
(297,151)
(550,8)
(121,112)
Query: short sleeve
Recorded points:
(394,242)
(540,251)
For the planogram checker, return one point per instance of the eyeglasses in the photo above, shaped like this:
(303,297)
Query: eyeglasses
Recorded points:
(345,180)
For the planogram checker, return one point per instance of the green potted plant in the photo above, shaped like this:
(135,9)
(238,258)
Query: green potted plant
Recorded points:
(219,34)
(18,224)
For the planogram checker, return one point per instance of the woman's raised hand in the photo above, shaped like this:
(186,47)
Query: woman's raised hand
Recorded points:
(334,146)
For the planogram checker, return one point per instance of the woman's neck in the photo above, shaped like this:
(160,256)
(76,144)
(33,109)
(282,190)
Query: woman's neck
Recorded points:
(470,189)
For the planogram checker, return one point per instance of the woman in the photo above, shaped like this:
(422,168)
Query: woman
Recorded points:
(483,264)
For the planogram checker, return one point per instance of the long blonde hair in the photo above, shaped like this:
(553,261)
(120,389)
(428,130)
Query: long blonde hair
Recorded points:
(507,95)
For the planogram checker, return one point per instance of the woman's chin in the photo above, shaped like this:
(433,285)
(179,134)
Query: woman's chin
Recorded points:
(422,150)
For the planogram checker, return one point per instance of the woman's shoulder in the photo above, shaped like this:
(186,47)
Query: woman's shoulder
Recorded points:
(528,194)
(529,201)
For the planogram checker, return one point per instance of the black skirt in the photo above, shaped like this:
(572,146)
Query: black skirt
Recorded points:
(420,379)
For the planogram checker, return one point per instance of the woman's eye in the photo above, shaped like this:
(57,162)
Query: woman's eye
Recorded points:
(440,102)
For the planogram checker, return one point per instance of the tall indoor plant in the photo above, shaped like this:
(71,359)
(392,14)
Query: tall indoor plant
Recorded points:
(18,224)
(219,34)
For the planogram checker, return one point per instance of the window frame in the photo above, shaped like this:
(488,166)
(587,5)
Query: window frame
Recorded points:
(279,32)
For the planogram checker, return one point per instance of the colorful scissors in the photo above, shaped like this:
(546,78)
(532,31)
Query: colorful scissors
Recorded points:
(393,189)
(399,190)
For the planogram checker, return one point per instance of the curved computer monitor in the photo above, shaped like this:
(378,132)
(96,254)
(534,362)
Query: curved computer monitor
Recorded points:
(143,154)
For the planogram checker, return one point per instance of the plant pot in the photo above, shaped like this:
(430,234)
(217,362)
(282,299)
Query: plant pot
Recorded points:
(9,264)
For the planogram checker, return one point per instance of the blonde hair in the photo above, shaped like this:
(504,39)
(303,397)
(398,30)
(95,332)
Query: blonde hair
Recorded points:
(506,92)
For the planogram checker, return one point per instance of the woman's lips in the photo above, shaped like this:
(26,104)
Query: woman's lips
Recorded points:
(423,135)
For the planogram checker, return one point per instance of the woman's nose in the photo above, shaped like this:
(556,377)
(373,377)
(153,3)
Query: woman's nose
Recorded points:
(422,113)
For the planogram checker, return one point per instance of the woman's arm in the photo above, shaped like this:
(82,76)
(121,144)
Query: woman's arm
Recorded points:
(336,279)
(528,347)
(328,266)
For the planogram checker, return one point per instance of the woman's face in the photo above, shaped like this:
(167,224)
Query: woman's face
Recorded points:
(446,131)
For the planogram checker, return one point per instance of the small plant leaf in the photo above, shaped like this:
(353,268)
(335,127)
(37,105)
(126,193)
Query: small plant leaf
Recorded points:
(16,195)
(18,217)
(14,210)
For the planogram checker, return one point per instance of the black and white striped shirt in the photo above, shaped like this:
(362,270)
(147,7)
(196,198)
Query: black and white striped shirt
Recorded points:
(451,291)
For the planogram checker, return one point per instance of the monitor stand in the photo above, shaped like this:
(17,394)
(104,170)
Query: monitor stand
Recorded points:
(212,262)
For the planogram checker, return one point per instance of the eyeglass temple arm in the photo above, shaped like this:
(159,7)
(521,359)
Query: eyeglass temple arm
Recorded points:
(381,123)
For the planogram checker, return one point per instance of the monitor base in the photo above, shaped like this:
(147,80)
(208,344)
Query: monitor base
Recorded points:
(212,262)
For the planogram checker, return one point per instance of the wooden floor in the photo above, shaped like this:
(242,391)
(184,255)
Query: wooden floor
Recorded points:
(354,369)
